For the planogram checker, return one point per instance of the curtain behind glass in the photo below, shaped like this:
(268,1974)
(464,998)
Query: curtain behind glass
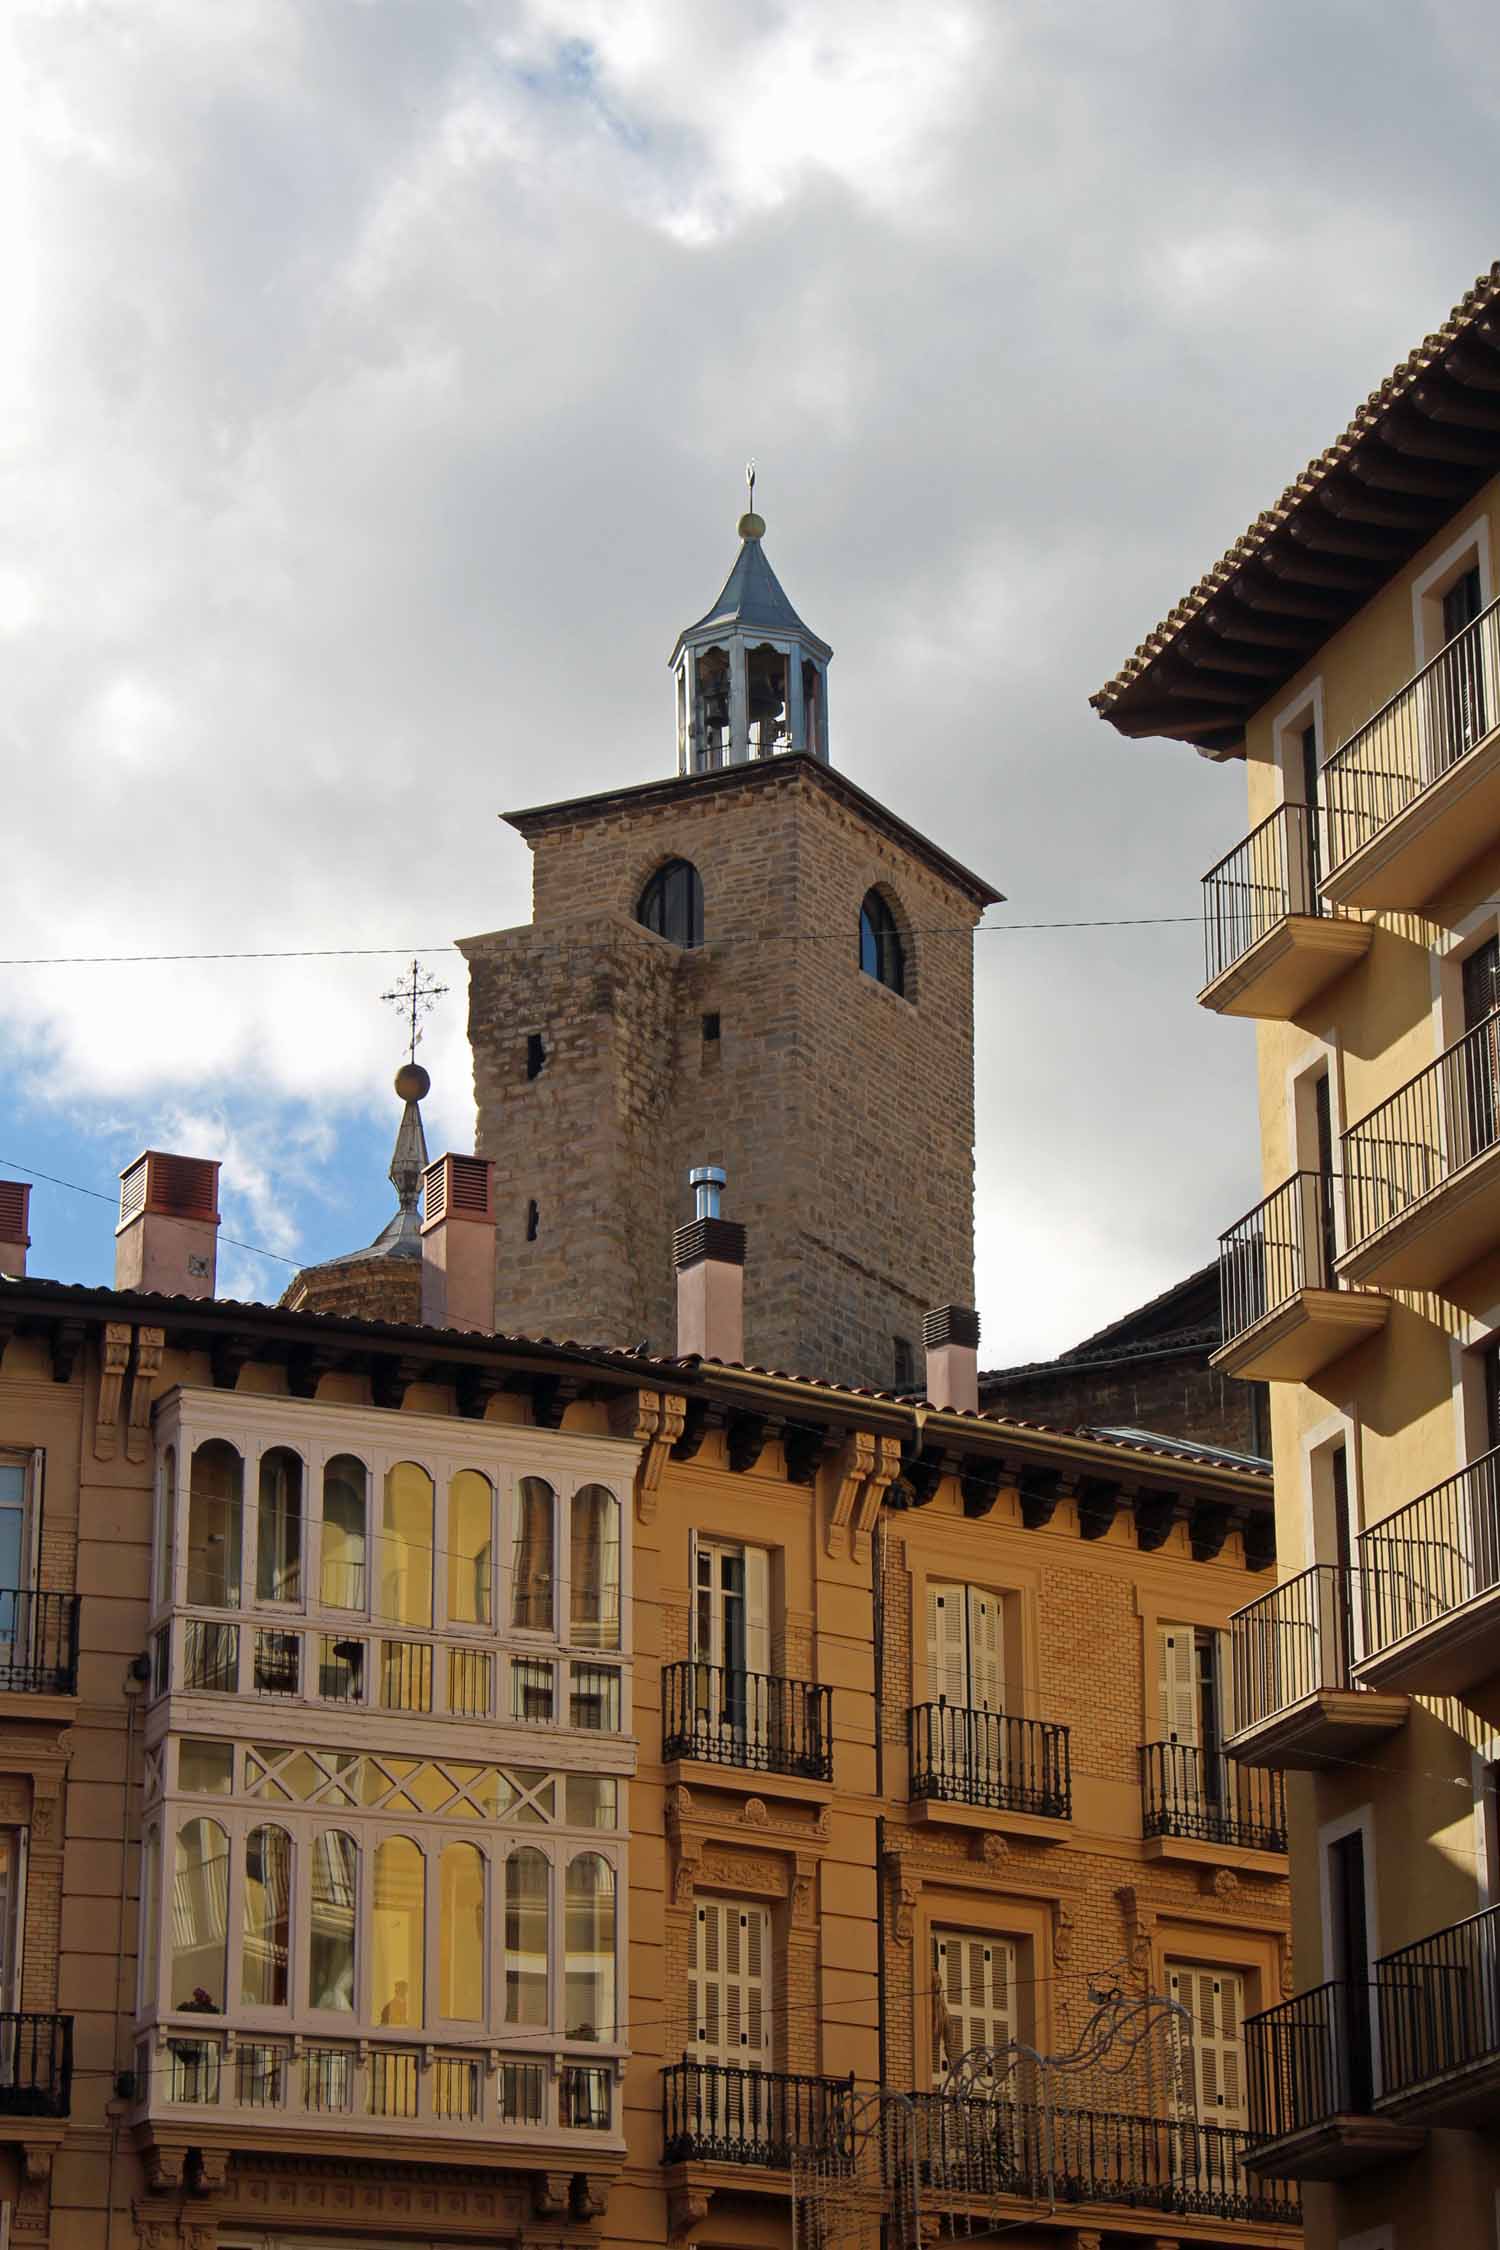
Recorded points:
(266,1918)
(200,1900)
(589,2002)
(531,1597)
(330,1955)
(214,1523)
(595,1568)
(278,1545)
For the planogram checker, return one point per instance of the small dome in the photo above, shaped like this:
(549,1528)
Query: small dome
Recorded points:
(751,526)
(412,1083)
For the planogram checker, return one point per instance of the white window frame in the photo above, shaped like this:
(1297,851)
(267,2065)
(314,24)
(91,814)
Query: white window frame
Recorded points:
(1469,546)
(31,1460)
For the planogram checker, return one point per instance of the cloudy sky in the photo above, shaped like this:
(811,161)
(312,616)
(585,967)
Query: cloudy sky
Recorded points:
(376,379)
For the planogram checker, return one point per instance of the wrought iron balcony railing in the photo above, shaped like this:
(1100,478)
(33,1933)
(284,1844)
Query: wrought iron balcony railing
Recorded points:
(1294,1642)
(1441,714)
(716,2113)
(1307,2061)
(38,1642)
(1205,1797)
(1433,1555)
(36,2065)
(977,2151)
(1272,874)
(1283,1246)
(1439,2004)
(750,1719)
(1427,1131)
(963,1757)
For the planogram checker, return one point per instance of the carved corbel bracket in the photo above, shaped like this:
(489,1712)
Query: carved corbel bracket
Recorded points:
(164,2163)
(590,2195)
(687,2208)
(551,2193)
(210,2170)
(67,1341)
(1140,1921)
(150,1343)
(884,1470)
(904,1891)
(654,1420)
(114,1362)
(854,1465)
(1208,1529)
(687,1846)
(1098,1504)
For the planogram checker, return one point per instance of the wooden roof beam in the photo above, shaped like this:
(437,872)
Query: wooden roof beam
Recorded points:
(1385,471)
(1306,569)
(1268,595)
(1472,365)
(1233,622)
(1408,434)
(1325,535)
(1210,733)
(1440,403)
(1353,504)
(1217,653)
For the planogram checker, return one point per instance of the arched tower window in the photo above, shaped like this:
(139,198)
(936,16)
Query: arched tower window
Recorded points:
(672,903)
(881,953)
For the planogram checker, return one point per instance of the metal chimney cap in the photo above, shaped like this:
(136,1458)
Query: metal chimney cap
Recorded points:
(706,1180)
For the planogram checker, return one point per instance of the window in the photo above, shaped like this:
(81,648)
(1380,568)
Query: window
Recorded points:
(200,1899)
(345,1485)
(905,1363)
(531,1575)
(1214,2058)
(461,1947)
(406,1546)
(398,1932)
(526,1937)
(589,1915)
(595,1568)
(965,1647)
(166,1504)
(278,1544)
(1189,1676)
(672,904)
(973,1995)
(215,1504)
(731,1606)
(470,1592)
(331,1933)
(1460,676)
(205,1769)
(266,1919)
(729,1999)
(536,1054)
(150,1913)
(881,954)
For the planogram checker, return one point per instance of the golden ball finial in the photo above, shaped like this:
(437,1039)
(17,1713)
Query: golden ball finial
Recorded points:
(412,1083)
(752,526)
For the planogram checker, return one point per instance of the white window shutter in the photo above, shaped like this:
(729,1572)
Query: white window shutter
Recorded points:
(986,1654)
(947,1656)
(1215,1998)
(1177,1684)
(757,1610)
(974,1983)
(728,1983)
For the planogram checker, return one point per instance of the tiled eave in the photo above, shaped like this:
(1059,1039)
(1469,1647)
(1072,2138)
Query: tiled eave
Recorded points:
(1417,449)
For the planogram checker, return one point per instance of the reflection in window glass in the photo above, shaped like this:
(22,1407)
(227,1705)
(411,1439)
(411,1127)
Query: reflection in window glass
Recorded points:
(595,1568)
(205,1769)
(12,1525)
(278,1545)
(531,1597)
(397,1934)
(166,1503)
(344,1488)
(461,1934)
(531,1688)
(406,1546)
(589,2002)
(330,1961)
(214,1522)
(526,1873)
(150,1913)
(265,1922)
(469,1551)
(881,954)
(200,1898)
(592,1801)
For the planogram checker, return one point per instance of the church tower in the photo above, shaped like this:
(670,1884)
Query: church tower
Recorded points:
(752,965)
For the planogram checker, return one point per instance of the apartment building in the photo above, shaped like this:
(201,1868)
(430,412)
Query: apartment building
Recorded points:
(1345,650)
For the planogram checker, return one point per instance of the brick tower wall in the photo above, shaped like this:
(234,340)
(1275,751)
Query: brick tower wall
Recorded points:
(842,1112)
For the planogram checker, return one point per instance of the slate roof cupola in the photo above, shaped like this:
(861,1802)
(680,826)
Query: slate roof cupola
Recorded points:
(752,681)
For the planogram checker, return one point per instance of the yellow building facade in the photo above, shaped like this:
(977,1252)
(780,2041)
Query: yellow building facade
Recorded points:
(1346,650)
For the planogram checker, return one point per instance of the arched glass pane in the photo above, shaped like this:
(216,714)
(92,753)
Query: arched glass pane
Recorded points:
(880,950)
(589,1999)
(215,1509)
(278,1538)
(200,1905)
(166,1506)
(531,1575)
(265,1926)
(470,1554)
(398,1933)
(672,903)
(526,1919)
(595,1568)
(461,1934)
(345,1485)
(150,1914)
(330,1952)
(406,1546)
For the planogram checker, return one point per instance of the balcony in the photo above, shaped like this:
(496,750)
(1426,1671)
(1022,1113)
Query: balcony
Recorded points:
(38,1643)
(1416,792)
(1271,943)
(1308,2066)
(752,1720)
(974,2153)
(1422,1171)
(716,2113)
(1202,1797)
(1296,1703)
(1439,2003)
(1432,1588)
(989,1760)
(1284,1317)
(36,2066)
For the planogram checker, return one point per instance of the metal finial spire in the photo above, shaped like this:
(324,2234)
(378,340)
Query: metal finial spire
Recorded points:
(750,480)
(751,526)
(414,996)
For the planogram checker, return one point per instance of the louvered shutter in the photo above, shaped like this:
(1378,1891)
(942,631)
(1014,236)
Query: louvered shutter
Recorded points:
(1215,1998)
(757,1610)
(1176,1683)
(728,1983)
(986,1656)
(947,1665)
(974,1985)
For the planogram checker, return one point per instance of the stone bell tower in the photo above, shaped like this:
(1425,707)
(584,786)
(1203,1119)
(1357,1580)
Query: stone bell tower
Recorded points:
(752,965)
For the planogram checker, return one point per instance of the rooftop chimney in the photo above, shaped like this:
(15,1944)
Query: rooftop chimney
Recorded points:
(167,1238)
(15,1197)
(710,1260)
(458,1244)
(951,1335)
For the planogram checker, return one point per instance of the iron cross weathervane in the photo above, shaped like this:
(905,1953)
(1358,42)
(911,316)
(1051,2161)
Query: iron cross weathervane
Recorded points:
(414,996)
